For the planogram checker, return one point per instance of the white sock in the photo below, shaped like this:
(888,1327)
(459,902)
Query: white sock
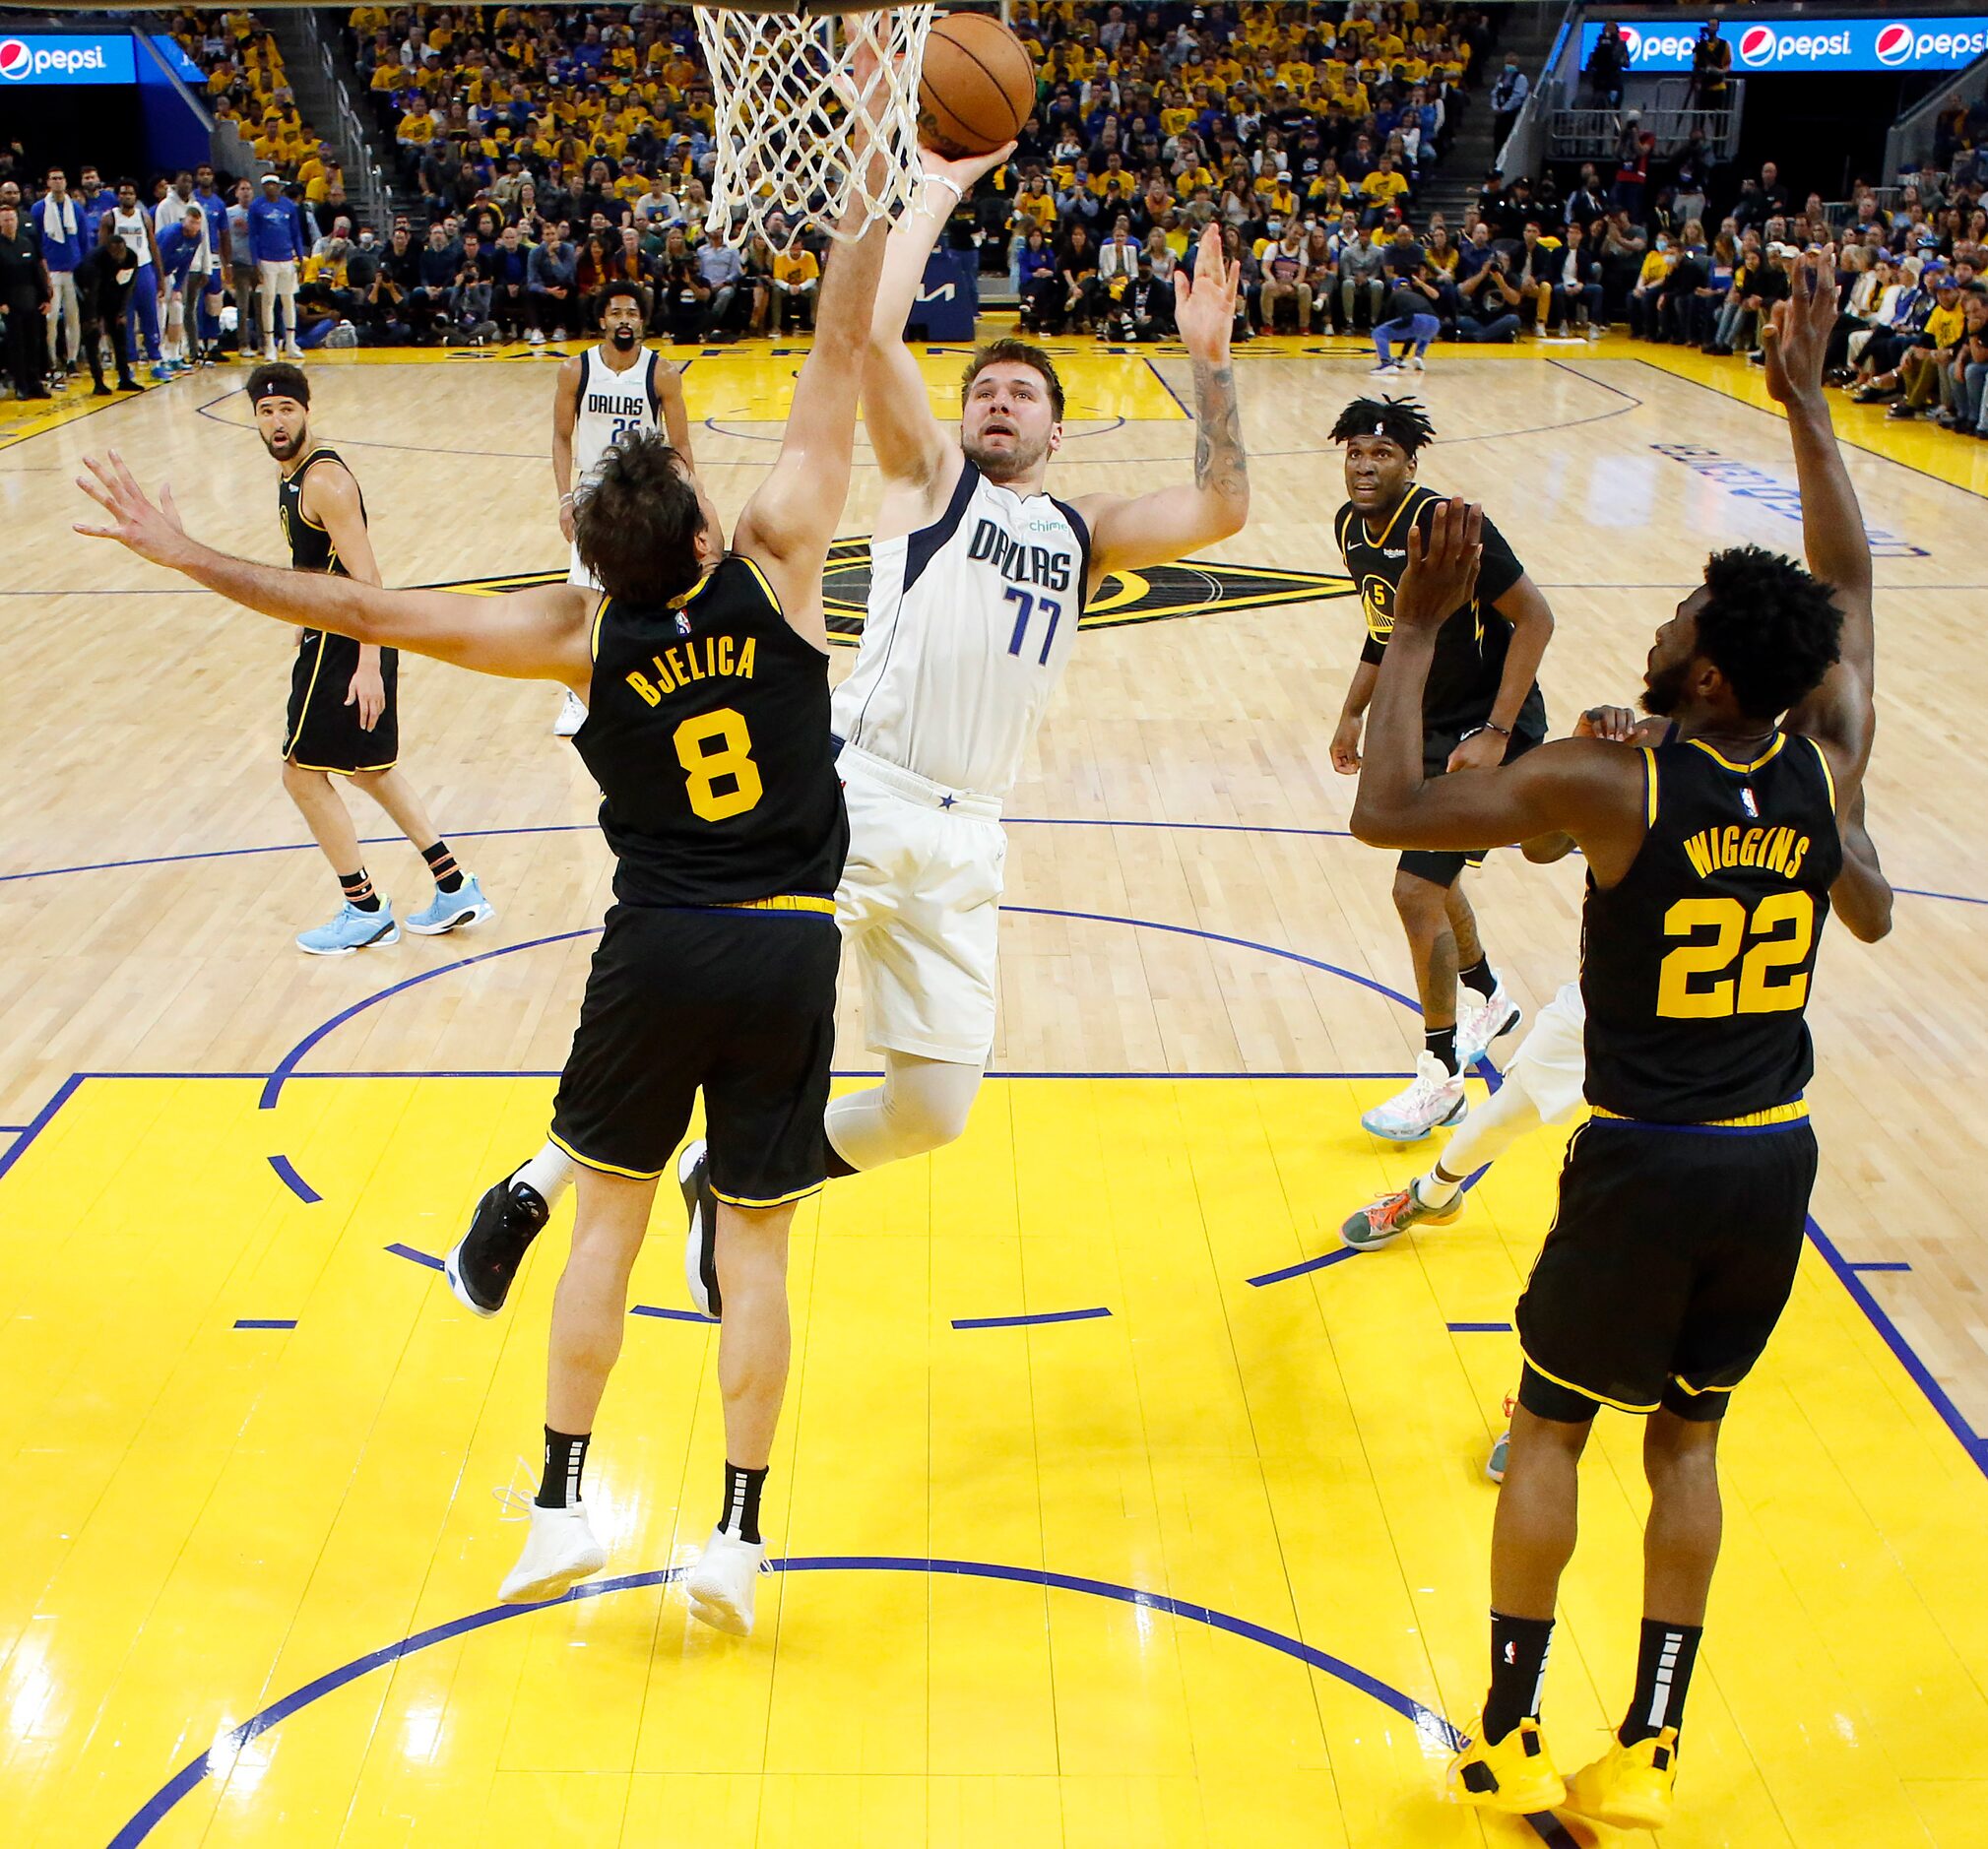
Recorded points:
(1487,1134)
(550,1172)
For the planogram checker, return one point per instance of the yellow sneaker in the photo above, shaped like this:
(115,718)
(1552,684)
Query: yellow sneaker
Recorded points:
(1629,1786)
(1515,1774)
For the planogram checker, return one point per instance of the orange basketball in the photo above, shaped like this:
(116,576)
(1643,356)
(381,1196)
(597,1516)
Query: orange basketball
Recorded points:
(976,88)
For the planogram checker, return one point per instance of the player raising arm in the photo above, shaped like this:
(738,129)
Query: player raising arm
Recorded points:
(980,577)
(708,732)
(1710,858)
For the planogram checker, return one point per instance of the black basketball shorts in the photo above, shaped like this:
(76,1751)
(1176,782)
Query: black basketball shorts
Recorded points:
(1669,1264)
(1442,868)
(735,1002)
(323,732)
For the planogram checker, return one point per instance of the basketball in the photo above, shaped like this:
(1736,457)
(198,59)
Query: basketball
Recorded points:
(977,85)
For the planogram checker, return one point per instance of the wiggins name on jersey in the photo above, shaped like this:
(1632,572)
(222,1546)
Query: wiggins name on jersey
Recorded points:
(1695,965)
(707,731)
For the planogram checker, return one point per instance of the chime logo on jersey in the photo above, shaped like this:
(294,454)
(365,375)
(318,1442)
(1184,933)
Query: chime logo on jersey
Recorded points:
(1189,586)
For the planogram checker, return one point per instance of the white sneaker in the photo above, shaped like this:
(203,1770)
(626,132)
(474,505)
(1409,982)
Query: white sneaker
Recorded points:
(534,337)
(560,1552)
(700,1239)
(294,352)
(558,334)
(1415,363)
(1433,1102)
(720,1585)
(1481,1019)
(572,716)
(1387,371)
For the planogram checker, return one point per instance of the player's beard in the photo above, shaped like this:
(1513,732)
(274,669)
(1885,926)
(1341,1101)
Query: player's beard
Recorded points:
(282,449)
(1016,462)
(1663,688)
(623,338)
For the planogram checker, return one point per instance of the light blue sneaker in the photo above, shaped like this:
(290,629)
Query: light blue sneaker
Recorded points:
(352,930)
(465,906)
(160,372)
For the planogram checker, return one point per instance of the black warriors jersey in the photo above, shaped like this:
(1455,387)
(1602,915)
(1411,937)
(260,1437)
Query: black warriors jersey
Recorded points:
(707,731)
(1470,647)
(310,546)
(1696,966)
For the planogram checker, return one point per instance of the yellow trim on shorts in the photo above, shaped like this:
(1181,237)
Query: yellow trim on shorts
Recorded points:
(1649,785)
(778,1200)
(603,1168)
(1754,1120)
(345,770)
(1696,1393)
(783,901)
(1586,1393)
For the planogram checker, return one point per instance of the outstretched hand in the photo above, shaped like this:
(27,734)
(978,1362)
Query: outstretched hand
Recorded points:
(1442,571)
(1795,345)
(152,532)
(963,171)
(1204,303)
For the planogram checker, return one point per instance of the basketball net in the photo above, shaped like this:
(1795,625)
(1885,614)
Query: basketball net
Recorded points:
(783,97)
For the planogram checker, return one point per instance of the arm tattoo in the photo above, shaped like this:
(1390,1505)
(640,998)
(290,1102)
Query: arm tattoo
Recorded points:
(1220,463)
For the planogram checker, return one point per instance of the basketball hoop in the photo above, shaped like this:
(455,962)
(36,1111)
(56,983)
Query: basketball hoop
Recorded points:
(782,91)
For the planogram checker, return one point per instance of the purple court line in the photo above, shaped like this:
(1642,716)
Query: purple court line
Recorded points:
(265,1322)
(1029,1322)
(1426,1722)
(287,1173)
(287,1063)
(1881,1264)
(671,1315)
(415,1256)
(1303,1265)
(567,828)
(1478,1328)
(286,1067)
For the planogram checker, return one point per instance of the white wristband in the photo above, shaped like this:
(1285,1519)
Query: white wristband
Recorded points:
(950,185)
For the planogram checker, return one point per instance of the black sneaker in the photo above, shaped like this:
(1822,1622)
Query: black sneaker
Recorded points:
(700,1240)
(481,1263)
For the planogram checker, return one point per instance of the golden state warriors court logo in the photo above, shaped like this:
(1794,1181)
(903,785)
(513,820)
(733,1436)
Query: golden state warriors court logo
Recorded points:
(1189,586)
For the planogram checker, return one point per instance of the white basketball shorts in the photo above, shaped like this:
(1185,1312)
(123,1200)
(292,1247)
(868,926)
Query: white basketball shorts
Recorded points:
(920,909)
(1551,1063)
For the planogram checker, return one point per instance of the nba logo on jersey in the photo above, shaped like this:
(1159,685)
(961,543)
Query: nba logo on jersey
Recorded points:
(683,629)
(1748,801)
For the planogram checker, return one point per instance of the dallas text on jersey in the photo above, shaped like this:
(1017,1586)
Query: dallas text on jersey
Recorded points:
(1022,564)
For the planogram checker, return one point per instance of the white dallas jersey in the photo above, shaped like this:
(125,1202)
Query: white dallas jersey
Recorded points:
(607,406)
(130,226)
(969,623)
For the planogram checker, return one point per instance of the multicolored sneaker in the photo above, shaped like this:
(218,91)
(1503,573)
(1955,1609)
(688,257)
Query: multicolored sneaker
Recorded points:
(1481,1019)
(1514,1775)
(352,930)
(1501,1450)
(452,909)
(1629,1787)
(1383,1221)
(1433,1102)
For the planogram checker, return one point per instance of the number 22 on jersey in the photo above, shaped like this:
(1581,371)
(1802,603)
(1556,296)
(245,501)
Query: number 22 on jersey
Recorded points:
(1782,929)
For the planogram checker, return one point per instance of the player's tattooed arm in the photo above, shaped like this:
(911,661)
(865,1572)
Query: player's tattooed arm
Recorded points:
(1221,463)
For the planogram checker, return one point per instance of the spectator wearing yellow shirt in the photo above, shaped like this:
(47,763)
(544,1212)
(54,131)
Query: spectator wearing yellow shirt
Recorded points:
(1382,188)
(797,281)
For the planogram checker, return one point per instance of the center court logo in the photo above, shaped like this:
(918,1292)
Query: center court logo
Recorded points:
(1186,587)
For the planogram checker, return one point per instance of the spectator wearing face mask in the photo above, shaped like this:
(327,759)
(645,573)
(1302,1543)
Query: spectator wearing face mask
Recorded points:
(1642,304)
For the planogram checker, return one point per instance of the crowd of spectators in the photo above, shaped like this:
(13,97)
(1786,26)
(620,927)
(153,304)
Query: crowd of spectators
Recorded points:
(552,150)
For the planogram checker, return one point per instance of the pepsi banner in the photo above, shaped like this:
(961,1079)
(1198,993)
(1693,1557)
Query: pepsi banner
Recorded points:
(1772,47)
(58,58)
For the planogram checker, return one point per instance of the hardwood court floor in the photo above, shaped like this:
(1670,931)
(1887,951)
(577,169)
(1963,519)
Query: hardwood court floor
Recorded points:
(1206,1568)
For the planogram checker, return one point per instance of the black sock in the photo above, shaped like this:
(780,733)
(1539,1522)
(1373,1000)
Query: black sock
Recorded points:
(565,1458)
(1663,1672)
(358,890)
(1442,1041)
(442,863)
(741,1519)
(1480,976)
(1518,1648)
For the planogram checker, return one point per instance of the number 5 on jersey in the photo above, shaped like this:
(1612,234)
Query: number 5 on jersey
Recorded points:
(714,747)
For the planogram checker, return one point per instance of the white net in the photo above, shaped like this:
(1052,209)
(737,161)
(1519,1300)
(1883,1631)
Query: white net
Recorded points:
(783,93)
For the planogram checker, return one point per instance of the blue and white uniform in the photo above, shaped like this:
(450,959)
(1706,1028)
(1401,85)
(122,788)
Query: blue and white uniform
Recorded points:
(970,621)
